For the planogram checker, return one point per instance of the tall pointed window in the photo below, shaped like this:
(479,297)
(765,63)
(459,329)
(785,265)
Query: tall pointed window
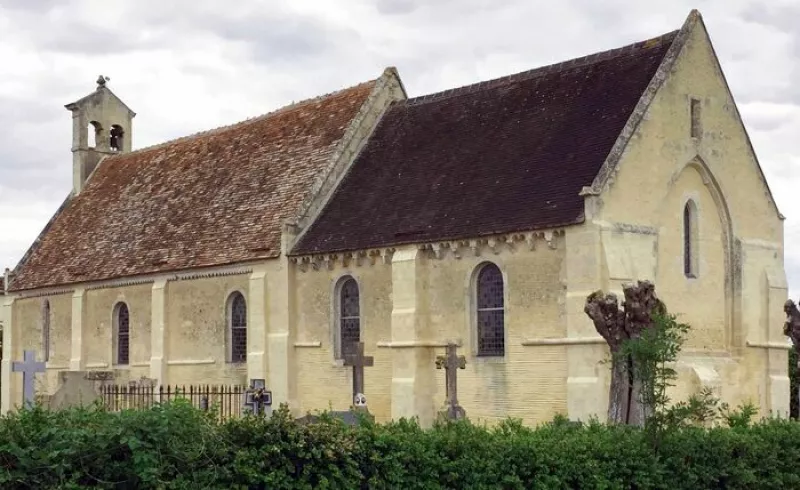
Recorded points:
(690,239)
(121,334)
(237,328)
(490,314)
(348,316)
(45,330)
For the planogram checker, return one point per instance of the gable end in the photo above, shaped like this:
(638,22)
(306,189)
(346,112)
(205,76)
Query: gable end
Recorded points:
(604,177)
(388,89)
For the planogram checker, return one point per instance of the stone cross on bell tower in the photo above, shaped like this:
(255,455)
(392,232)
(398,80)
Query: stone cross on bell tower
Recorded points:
(101,126)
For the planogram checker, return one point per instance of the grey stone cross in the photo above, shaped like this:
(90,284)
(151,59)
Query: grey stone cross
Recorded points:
(356,358)
(451,362)
(257,398)
(28,367)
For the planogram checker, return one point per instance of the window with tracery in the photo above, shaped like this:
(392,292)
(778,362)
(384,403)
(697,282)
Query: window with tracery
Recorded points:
(122,334)
(237,328)
(349,316)
(46,330)
(490,315)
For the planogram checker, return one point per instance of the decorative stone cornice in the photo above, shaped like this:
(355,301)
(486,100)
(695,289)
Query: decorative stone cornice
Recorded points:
(145,279)
(119,283)
(511,242)
(43,293)
(212,273)
(343,259)
(495,244)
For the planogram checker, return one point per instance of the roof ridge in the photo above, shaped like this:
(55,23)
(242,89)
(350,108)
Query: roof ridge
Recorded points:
(237,124)
(543,70)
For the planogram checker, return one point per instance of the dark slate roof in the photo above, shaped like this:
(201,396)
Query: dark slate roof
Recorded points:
(507,155)
(215,198)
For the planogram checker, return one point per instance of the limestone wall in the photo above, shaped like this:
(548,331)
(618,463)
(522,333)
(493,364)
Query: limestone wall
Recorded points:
(528,382)
(99,321)
(30,311)
(322,380)
(195,330)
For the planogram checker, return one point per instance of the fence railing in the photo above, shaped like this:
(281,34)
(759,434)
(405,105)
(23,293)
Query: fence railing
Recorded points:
(226,400)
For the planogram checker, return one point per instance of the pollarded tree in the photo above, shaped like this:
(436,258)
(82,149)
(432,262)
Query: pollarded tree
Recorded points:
(627,402)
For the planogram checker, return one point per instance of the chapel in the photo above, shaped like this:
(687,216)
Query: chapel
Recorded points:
(482,216)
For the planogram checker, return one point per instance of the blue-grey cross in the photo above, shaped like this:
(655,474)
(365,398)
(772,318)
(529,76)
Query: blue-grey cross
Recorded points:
(28,367)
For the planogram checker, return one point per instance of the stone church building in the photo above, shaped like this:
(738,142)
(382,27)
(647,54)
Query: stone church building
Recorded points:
(482,215)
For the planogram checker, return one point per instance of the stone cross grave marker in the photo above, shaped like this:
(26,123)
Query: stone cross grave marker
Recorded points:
(358,361)
(257,398)
(28,367)
(451,362)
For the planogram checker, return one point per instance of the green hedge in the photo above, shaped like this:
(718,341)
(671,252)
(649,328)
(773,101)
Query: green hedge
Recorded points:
(175,446)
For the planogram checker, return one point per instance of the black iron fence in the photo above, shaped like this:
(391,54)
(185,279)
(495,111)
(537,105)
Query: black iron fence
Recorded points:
(225,400)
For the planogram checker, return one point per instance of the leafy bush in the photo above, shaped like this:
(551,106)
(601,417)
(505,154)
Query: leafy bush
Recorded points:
(174,446)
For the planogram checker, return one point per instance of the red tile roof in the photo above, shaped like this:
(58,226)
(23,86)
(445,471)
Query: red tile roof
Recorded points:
(507,155)
(215,198)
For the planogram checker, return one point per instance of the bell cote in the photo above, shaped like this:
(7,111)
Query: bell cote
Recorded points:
(101,126)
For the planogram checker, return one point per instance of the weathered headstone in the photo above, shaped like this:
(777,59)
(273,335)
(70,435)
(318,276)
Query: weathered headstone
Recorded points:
(76,388)
(451,362)
(257,398)
(28,367)
(357,360)
(349,417)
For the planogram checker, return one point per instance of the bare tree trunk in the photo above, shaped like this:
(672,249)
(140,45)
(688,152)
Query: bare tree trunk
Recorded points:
(609,322)
(619,399)
(616,326)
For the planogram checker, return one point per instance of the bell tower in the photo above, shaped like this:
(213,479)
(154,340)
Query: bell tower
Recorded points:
(101,126)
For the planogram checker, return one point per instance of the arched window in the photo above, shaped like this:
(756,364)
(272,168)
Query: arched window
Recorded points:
(121,332)
(348,316)
(237,328)
(94,133)
(46,330)
(116,136)
(490,317)
(690,239)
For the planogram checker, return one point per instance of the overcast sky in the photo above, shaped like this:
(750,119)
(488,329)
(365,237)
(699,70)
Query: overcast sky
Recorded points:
(190,65)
